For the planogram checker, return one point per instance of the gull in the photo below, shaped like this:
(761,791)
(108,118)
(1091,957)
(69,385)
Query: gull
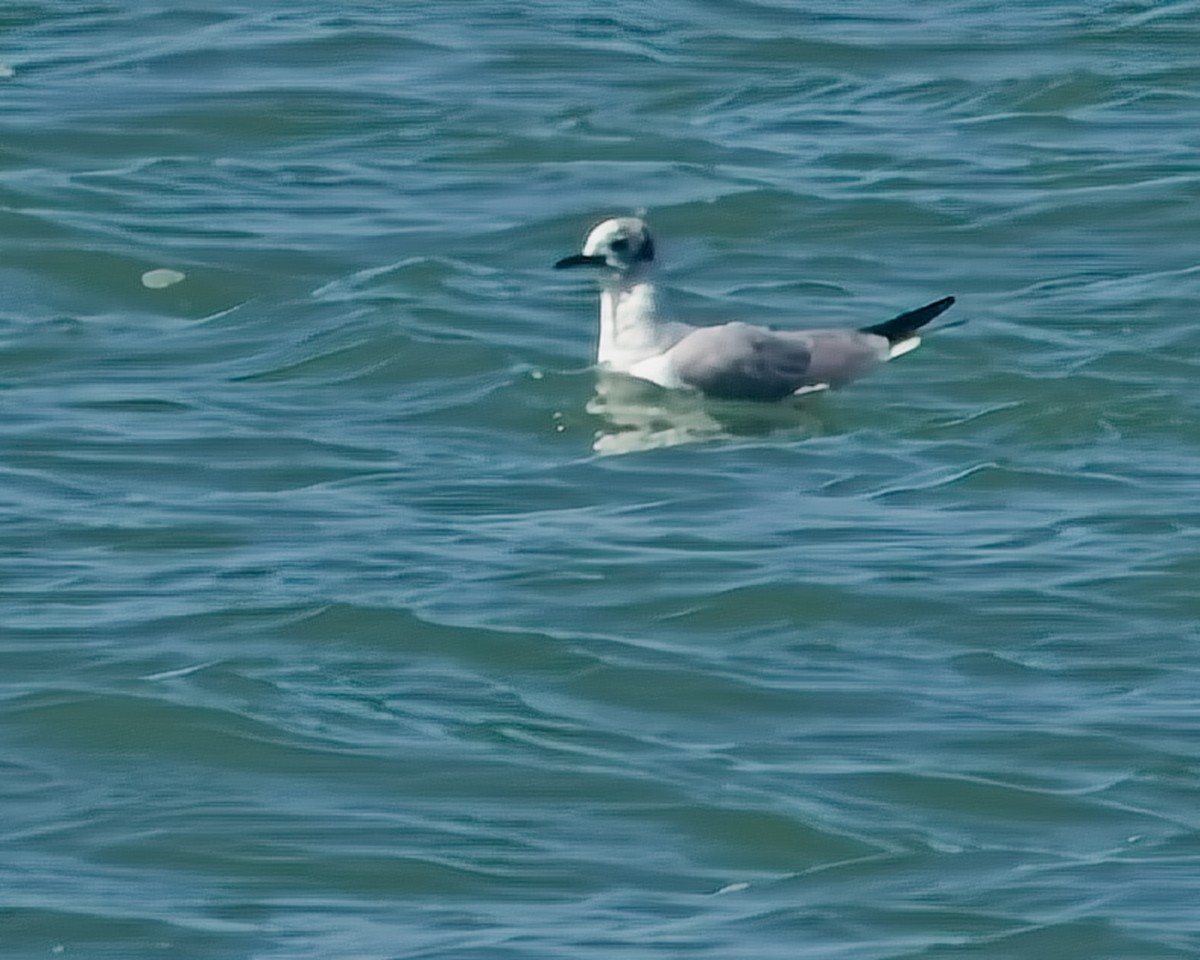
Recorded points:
(731,361)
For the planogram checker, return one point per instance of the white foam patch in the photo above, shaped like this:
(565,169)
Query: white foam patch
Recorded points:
(6,71)
(160,279)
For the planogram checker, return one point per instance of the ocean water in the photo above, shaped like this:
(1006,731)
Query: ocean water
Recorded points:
(347,612)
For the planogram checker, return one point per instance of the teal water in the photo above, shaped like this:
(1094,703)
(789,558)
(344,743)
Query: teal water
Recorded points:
(345,612)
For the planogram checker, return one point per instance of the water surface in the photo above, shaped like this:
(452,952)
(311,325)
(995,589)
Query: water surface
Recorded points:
(347,612)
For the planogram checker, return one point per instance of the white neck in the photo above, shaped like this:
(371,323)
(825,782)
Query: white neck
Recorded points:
(630,327)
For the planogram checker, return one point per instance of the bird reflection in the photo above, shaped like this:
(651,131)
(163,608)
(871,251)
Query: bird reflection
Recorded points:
(636,415)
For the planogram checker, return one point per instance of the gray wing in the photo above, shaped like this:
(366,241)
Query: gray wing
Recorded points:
(736,361)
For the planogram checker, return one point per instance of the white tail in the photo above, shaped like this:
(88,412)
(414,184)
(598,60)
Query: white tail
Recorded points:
(903,347)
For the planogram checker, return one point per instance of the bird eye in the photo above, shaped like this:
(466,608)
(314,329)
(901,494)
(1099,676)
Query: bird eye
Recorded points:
(621,244)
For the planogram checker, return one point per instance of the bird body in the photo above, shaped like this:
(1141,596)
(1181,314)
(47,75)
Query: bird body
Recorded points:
(729,361)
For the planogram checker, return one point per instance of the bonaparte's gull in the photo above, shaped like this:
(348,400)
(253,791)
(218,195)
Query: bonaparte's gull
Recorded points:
(734,361)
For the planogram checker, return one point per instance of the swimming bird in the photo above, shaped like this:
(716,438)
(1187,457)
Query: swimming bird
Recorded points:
(733,361)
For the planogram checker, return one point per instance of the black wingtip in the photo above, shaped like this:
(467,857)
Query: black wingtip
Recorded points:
(902,327)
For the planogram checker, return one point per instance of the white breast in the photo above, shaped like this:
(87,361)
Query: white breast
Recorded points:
(630,329)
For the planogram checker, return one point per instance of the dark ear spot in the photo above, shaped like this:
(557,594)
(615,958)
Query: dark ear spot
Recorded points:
(620,244)
(646,254)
